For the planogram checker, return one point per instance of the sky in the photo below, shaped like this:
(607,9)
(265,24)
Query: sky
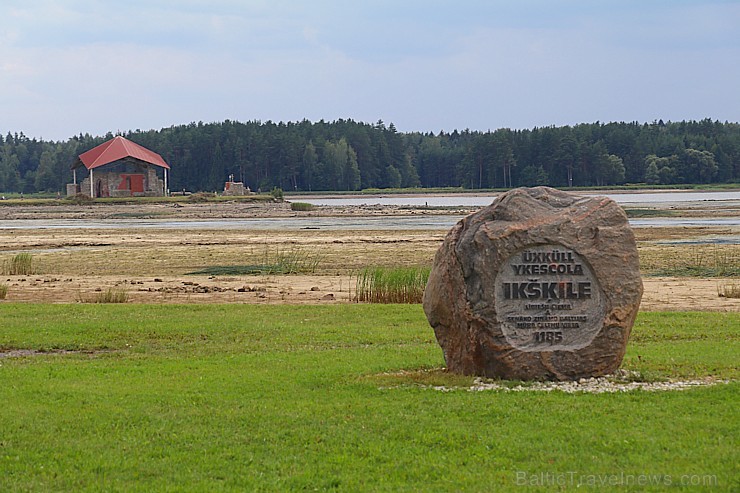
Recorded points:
(84,66)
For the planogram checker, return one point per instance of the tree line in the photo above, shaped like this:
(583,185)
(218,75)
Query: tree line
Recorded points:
(349,155)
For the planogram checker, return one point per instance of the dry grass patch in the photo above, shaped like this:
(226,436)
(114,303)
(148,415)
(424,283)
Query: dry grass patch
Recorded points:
(292,259)
(729,290)
(690,260)
(173,253)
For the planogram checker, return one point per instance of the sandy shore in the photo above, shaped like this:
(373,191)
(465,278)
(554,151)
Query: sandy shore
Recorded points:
(661,293)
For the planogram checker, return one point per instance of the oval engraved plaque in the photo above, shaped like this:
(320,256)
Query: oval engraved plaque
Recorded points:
(548,299)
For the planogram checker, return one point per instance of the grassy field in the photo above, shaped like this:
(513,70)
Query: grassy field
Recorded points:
(276,398)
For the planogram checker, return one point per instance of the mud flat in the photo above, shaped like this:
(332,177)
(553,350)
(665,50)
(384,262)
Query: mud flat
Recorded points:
(160,264)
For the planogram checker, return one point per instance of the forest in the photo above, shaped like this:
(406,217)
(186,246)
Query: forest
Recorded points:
(349,155)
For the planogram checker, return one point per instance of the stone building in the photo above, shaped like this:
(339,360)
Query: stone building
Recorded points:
(120,168)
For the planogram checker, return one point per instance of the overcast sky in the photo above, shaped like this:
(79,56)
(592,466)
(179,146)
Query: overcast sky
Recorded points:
(85,66)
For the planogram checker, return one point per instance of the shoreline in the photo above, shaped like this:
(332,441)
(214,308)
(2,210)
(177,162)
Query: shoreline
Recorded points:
(238,209)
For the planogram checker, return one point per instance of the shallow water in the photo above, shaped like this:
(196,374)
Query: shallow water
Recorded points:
(388,222)
(484,200)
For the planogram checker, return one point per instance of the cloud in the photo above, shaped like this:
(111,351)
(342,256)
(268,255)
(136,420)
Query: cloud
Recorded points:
(93,66)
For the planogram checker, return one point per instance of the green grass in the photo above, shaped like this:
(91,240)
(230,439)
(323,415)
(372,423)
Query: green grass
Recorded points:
(292,398)
(391,284)
(301,206)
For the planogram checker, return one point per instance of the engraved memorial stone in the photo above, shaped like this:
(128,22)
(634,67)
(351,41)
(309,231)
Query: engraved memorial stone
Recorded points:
(541,284)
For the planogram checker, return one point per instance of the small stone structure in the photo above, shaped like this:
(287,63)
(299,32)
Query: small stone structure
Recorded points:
(540,285)
(73,189)
(235,188)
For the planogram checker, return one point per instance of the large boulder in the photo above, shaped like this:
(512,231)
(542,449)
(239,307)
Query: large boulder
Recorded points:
(540,285)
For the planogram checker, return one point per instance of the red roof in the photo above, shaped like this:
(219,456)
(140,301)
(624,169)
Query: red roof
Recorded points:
(119,148)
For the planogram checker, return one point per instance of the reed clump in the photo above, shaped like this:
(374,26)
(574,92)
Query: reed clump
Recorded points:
(296,260)
(3,291)
(20,265)
(110,295)
(391,284)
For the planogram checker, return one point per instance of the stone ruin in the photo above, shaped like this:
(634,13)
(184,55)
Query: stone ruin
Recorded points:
(235,188)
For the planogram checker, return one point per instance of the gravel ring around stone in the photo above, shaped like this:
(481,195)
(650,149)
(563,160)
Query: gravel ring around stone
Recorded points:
(597,386)
(620,381)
